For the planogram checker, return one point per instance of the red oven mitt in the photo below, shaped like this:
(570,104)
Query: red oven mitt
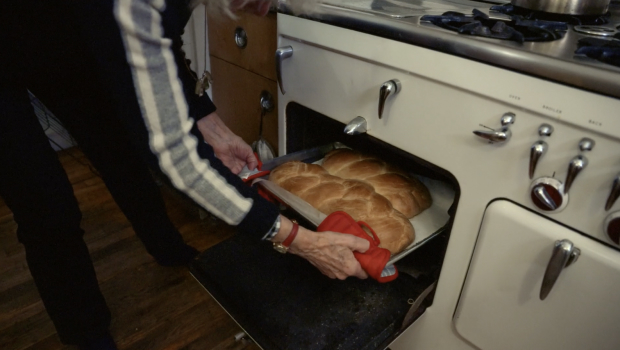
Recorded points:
(373,261)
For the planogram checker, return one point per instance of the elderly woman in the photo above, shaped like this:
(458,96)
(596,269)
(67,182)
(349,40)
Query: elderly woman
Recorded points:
(124,55)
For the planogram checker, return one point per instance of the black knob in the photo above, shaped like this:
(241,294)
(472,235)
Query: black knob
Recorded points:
(547,194)
(612,227)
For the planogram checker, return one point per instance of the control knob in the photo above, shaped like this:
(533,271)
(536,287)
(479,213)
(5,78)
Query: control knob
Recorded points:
(611,227)
(539,148)
(500,135)
(548,194)
(578,163)
(614,193)
(389,88)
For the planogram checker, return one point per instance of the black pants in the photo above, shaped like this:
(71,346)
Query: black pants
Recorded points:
(32,181)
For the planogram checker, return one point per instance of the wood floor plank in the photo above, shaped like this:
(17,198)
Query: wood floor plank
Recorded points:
(185,329)
(23,334)
(19,302)
(153,307)
(51,343)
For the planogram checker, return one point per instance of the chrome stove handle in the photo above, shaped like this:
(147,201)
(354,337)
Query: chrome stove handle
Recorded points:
(614,193)
(564,254)
(575,167)
(539,148)
(389,88)
(495,136)
(501,135)
(356,126)
(578,163)
(282,53)
(543,195)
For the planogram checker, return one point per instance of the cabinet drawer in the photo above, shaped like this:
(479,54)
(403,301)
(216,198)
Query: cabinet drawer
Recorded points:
(236,93)
(258,54)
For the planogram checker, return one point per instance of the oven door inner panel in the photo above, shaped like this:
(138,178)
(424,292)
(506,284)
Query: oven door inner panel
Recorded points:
(283,302)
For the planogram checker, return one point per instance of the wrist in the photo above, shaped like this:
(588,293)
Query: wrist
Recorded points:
(286,225)
(283,241)
(205,124)
(303,241)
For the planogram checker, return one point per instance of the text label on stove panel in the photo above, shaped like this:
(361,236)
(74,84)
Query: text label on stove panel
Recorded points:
(552,109)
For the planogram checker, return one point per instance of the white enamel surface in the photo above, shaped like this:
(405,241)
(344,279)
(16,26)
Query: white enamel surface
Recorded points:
(500,306)
(338,72)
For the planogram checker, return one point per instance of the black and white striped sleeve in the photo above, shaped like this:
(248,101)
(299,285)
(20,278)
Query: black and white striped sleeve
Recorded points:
(189,163)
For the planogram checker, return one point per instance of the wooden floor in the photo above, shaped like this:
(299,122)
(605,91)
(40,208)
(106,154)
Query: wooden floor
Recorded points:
(153,307)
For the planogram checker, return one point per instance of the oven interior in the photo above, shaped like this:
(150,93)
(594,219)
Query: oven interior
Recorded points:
(283,302)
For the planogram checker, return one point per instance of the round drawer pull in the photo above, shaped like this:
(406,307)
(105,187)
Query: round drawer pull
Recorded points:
(241,38)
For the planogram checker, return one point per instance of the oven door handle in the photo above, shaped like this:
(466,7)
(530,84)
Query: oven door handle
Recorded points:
(282,53)
(564,254)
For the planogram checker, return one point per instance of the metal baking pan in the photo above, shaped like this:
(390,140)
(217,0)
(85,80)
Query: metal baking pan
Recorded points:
(427,225)
(283,302)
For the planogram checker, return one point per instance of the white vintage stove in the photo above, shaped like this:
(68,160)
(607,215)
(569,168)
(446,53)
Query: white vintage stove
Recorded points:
(516,113)
(529,133)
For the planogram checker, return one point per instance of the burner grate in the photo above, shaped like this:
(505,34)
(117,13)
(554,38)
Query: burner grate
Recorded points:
(524,13)
(604,50)
(517,29)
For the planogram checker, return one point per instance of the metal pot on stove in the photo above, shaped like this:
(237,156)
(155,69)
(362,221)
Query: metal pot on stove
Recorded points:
(566,7)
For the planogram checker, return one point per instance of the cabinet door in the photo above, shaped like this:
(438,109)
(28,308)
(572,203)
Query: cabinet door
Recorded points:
(237,93)
(500,307)
(258,55)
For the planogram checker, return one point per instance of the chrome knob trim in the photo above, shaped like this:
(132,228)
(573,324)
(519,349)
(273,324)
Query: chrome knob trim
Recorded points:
(586,144)
(495,136)
(545,130)
(500,135)
(508,119)
(547,194)
(241,38)
(538,149)
(563,255)
(541,193)
(356,126)
(611,228)
(614,193)
(389,88)
(575,167)
(266,102)
(282,54)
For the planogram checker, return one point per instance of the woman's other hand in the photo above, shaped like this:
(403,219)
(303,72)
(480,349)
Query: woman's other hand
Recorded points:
(228,147)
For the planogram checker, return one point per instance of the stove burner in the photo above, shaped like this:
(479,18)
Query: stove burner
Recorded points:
(570,19)
(604,50)
(596,30)
(516,28)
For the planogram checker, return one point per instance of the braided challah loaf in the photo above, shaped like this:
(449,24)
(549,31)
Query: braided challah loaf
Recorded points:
(407,194)
(329,193)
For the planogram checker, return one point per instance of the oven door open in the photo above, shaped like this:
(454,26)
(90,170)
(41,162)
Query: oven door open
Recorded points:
(280,300)
(283,302)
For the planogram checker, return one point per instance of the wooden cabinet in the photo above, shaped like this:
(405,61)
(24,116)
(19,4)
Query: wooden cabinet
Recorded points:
(242,55)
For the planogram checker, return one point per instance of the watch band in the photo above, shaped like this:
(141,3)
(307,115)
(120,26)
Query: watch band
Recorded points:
(283,246)
(291,236)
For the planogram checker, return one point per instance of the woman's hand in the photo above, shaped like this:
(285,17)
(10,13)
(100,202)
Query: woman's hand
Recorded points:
(330,252)
(228,147)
